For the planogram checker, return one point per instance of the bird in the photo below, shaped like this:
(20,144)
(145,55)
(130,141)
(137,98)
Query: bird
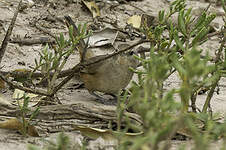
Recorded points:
(108,76)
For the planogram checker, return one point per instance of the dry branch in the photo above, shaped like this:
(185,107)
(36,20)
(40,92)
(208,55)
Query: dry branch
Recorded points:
(9,32)
(41,40)
(80,113)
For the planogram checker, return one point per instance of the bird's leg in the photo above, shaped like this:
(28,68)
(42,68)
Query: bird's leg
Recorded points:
(103,100)
(112,101)
(114,97)
(96,95)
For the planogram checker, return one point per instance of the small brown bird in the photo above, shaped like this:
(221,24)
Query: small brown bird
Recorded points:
(108,76)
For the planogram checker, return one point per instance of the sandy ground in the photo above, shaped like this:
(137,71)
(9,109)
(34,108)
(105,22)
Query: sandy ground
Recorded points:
(17,55)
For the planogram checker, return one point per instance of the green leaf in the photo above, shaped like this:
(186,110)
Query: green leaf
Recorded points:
(79,28)
(180,5)
(161,16)
(179,67)
(188,16)
(35,113)
(209,19)
(223,5)
(36,63)
(71,35)
(174,3)
(171,31)
(50,56)
(188,12)
(177,40)
(198,24)
(55,63)
(61,40)
(181,23)
(84,28)
(25,103)
(164,44)
(58,41)
(200,36)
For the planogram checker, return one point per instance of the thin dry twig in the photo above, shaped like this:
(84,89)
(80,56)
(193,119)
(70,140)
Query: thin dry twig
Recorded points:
(27,74)
(9,32)
(26,89)
(133,5)
(44,30)
(41,40)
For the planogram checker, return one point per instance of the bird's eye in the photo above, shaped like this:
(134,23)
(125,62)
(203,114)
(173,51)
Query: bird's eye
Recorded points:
(131,52)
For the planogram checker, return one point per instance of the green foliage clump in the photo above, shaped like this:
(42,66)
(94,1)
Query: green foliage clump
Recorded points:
(175,49)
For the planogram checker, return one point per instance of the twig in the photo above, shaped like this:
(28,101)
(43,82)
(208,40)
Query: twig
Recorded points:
(55,18)
(41,40)
(119,52)
(135,6)
(16,74)
(210,94)
(58,87)
(44,30)
(9,32)
(132,5)
(117,28)
(35,91)
(214,34)
(204,11)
